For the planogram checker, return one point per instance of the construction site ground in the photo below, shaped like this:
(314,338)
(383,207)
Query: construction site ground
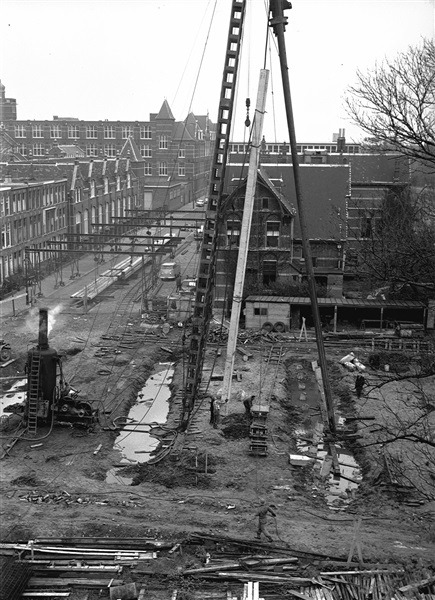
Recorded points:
(54,485)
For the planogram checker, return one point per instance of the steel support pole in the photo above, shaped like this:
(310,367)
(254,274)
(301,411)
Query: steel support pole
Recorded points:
(278,22)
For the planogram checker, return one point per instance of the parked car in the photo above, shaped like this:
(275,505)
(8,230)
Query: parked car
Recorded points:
(169,271)
(200,202)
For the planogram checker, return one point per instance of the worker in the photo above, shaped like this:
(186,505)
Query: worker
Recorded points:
(248,405)
(212,403)
(359,384)
(178,282)
(265,510)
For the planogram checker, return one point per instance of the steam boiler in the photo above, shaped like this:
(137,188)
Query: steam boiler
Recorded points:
(50,399)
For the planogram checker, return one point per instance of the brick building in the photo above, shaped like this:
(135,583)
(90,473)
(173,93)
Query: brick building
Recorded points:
(45,202)
(173,157)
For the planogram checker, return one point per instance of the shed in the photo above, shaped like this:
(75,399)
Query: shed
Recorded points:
(286,312)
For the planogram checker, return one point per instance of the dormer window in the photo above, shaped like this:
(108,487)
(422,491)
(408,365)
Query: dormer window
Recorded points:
(92,188)
(118,183)
(106,185)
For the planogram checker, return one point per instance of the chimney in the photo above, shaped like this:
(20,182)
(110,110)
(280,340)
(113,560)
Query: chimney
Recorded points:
(43,329)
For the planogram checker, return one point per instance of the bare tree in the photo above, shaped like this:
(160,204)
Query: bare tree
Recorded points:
(395,245)
(403,433)
(394,103)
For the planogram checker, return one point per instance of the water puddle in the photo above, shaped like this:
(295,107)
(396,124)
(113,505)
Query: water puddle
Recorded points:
(135,441)
(15,394)
(339,490)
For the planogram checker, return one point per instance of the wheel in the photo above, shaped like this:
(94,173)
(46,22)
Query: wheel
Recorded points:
(84,409)
(279,327)
(267,326)
(5,354)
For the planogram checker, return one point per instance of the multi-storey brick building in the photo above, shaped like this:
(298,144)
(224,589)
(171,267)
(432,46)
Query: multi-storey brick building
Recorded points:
(173,157)
(42,203)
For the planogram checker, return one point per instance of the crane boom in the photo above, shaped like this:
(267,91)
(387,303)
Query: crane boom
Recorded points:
(245,231)
(202,309)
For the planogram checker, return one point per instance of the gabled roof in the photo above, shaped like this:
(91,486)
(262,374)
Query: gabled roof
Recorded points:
(165,112)
(130,150)
(263,180)
(324,189)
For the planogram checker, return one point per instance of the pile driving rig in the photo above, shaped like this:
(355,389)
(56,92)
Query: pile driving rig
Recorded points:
(50,399)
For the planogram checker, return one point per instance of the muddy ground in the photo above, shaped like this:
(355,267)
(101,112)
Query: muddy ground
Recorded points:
(64,470)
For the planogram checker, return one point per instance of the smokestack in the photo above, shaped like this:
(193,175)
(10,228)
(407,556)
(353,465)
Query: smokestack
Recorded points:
(43,329)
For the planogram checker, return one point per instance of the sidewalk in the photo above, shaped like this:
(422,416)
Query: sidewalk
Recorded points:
(89,270)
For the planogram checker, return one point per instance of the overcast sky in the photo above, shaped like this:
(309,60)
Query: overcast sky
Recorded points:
(119,59)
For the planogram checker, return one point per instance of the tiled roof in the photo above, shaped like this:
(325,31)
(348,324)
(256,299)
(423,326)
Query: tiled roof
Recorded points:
(324,189)
(181,132)
(130,150)
(165,112)
(385,168)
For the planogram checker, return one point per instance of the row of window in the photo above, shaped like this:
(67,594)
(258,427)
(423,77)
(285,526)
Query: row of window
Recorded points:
(91,131)
(19,201)
(92,150)
(33,226)
(285,149)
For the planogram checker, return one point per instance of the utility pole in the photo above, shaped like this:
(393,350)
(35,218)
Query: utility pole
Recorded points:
(245,231)
(278,23)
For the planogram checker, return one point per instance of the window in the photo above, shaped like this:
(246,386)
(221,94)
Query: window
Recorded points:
(128,180)
(127,131)
(366,226)
(260,311)
(55,132)
(20,131)
(38,150)
(163,169)
(233,231)
(110,150)
(91,150)
(37,131)
(269,271)
(73,131)
(272,233)
(163,142)
(181,170)
(145,151)
(106,185)
(147,169)
(118,183)
(6,236)
(91,132)
(265,203)
(92,188)
(22,149)
(145,132)
(181,153)
(109,132)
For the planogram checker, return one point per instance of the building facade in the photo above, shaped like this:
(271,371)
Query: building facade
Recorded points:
(173,157)
(42,203)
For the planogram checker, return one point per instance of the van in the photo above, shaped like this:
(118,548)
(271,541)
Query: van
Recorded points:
(199,233)
(169,271)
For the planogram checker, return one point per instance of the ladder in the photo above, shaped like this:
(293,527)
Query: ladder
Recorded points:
(33,393)
(202,309)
